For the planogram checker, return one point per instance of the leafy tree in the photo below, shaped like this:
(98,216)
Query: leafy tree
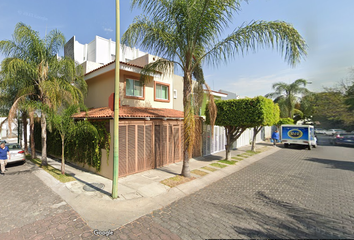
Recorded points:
(48,82)
(330,106)
(236,115)
(269,117)
(298,115)
(282,121)
(285,95)
(65,125)
(190,33)
(349,97)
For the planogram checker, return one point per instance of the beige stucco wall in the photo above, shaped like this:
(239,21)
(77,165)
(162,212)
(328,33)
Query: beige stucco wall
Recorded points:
(178,85)
(141,61)
(102,86)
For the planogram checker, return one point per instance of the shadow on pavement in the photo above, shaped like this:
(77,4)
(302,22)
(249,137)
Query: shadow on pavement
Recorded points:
(20,168)
(167,170)
(284,220)
(91,185)
(338,164)
(209,158)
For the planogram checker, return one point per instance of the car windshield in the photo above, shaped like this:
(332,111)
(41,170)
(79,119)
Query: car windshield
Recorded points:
(13,146)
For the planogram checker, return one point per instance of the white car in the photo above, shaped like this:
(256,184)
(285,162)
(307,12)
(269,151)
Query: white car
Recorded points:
(320,130)
(332,132)
(16,152)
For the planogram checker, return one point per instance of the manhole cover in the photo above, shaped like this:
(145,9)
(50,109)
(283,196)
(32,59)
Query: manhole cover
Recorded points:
(91,187)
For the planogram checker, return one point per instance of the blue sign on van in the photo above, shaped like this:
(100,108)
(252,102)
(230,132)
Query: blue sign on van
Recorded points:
(295,133)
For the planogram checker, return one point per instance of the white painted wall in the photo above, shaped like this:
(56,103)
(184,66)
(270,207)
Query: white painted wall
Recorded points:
(216,143)
(101,50)
(91,52)
(5,131)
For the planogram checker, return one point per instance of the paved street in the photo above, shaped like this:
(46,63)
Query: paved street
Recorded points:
(294,193)
(31,210)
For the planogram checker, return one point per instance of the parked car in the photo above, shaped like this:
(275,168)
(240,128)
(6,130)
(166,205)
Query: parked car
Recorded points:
(344,139)
(332,132)
(16,152)
(320,130)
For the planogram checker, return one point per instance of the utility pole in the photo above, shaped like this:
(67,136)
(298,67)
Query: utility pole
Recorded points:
(116,109)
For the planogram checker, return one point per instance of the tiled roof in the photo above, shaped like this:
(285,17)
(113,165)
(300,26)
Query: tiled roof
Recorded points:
(131,112)
(124,63)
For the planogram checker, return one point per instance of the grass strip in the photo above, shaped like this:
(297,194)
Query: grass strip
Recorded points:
(209,169)
(237,158)
(176,180)
(56,173)
(199,172)
(218,165)
(227,162)
(251,153)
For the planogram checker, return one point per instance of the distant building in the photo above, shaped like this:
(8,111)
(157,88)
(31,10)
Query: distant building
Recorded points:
(230,95)
(98,52)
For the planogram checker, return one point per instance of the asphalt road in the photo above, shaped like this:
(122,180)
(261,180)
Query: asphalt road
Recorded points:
(294,193)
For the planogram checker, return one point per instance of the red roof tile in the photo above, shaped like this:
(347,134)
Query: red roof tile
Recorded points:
(131,112)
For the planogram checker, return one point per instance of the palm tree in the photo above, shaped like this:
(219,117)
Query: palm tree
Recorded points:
(285,95)
(8,95)
(188,33)
(48,81)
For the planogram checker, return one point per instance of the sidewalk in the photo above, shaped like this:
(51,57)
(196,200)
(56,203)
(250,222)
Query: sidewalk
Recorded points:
(138,194)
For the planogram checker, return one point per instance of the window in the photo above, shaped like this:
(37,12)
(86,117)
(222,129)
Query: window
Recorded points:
(162,92)
(134,88)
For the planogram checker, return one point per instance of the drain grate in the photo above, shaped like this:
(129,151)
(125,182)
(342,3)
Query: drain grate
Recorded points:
(91,187)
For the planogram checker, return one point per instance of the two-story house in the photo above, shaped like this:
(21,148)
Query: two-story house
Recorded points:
(150,129)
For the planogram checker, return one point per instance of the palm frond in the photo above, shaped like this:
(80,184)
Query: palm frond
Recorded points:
(160,66)
(260,34)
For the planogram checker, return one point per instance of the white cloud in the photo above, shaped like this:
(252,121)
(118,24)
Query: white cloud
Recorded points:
(107,29)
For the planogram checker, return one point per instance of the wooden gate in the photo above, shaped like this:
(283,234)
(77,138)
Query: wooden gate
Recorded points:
(145,145)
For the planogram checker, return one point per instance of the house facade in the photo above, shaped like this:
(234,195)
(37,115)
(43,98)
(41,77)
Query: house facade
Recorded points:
(150,129)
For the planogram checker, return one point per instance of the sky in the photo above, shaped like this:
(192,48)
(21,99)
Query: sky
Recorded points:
(327,27)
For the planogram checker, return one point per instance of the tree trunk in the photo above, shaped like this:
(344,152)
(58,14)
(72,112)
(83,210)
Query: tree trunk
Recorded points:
(24,123)
(187,123)
(62,156)
(44,140)
(254,139)
(33,147)
(255,132)
(227,146)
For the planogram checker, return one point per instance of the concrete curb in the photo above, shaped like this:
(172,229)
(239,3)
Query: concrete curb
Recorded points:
(105,213)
